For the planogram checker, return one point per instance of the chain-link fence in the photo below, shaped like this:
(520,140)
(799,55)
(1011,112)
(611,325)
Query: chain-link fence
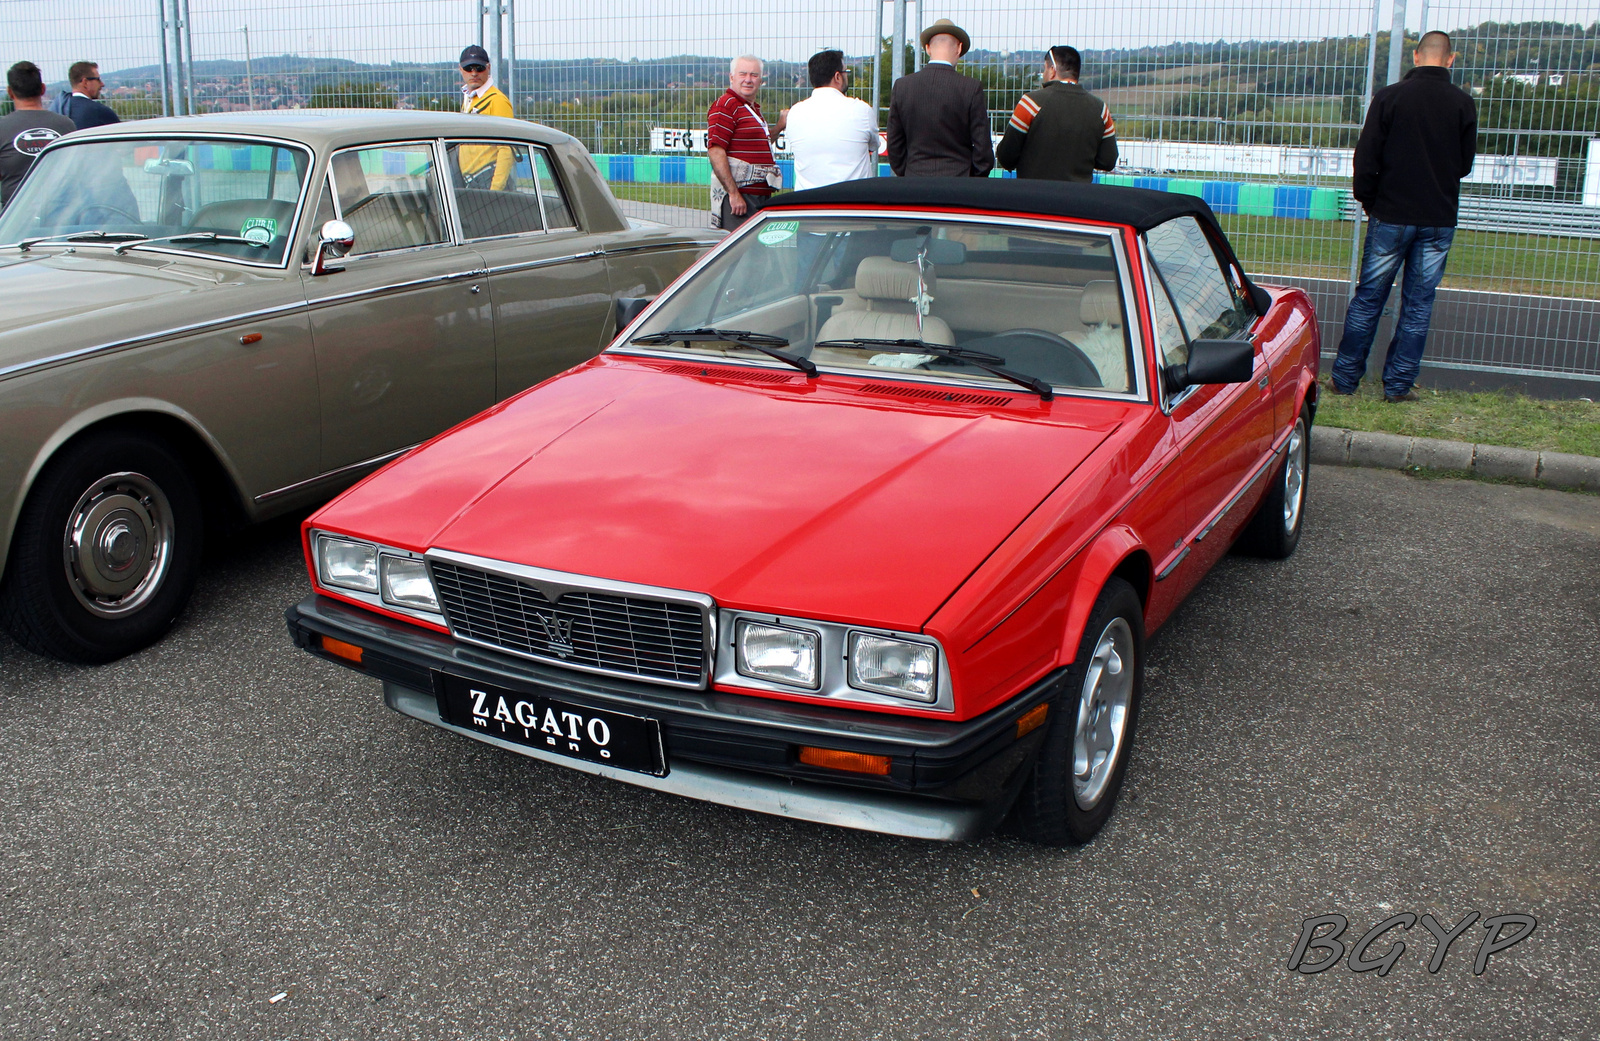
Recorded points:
(1260,120)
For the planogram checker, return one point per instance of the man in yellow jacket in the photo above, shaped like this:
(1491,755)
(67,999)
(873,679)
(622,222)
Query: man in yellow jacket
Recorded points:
(482,98)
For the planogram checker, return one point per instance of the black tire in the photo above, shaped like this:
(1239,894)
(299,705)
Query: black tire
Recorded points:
(106,551)
(1054,809)
(1274,531)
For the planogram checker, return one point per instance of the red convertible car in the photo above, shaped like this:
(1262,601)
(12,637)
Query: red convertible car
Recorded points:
(864,520)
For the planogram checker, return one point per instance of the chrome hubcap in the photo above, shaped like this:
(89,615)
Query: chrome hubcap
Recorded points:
(1102,713)
(1294,478)
(118,544)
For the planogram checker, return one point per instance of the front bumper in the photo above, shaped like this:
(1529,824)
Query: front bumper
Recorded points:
(949,781)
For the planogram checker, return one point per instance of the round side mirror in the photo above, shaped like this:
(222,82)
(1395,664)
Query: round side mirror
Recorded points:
(338,237)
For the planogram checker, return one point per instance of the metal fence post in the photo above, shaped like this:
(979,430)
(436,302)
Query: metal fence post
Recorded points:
(1397,40)
(496,58)
(511,54)
(897,59)
(166,76)
(1366,103)
(916,34)
(188,59)
(877,62)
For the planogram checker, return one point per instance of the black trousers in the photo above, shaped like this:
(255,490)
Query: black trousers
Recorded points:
(731,221)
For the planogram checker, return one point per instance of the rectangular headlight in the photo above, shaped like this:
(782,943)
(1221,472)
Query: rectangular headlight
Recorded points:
(345,564)
(777,653)
(406,583)
(895,667)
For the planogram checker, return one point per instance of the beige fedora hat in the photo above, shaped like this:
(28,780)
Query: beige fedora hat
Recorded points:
(949,28)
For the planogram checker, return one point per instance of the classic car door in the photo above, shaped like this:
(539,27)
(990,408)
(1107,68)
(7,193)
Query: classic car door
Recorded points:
(547,275)
(1223,429)
(404,334)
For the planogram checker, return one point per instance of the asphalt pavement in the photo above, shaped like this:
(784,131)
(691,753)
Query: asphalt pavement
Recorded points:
(222,837)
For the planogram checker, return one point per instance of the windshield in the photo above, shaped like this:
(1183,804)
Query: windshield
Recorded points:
(233,199)
(880,294)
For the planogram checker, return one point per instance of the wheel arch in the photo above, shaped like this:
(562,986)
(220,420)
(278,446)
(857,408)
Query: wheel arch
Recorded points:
(1117,552)
(215,480)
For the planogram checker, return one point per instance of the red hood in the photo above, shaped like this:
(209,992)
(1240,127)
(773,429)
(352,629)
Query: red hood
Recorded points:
(811,498)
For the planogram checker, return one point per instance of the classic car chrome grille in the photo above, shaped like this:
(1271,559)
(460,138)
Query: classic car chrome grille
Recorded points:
(609,632)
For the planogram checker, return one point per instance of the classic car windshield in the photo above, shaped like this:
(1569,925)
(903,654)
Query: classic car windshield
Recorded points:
(226,198)
(840,292)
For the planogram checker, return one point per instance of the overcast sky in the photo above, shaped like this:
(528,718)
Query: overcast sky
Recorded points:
(123,33)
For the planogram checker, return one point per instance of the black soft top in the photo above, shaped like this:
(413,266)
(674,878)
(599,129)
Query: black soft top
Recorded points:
(1139,208)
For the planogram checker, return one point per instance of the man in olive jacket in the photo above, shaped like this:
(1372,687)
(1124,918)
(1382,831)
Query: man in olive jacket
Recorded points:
(1418,142)
(938,118)
(1059,132)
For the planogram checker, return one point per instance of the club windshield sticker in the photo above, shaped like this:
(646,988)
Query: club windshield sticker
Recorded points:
(260,230)
(778,233)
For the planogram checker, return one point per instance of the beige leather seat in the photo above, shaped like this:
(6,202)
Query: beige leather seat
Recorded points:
(1100,303)
(1103,341)
(888,288)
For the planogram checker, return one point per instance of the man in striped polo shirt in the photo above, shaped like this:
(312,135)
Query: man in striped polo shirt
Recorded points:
(740,144)
(1059,132)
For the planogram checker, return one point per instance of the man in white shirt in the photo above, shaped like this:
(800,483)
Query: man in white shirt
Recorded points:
(833,136)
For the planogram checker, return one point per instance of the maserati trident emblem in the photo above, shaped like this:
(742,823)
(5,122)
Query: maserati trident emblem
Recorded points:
(557,633)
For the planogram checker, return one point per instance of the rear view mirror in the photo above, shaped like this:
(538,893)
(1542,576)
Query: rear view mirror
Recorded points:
(169,167)
(629,308)
(940,251)
(1213,361)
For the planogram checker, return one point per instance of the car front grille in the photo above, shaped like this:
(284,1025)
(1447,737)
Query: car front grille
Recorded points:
(595,630)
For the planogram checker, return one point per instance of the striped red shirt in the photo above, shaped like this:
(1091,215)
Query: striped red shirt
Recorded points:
(737,126)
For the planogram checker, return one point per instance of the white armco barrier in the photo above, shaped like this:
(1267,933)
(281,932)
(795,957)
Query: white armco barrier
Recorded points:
(1591,175)
(1286,161)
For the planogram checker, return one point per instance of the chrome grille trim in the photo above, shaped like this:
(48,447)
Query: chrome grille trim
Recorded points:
(624,629)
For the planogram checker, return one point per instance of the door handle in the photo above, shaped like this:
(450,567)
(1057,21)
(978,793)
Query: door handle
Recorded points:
(476,288)
(1262,382)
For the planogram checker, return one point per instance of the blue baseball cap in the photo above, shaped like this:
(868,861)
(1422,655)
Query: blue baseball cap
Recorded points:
(474,55)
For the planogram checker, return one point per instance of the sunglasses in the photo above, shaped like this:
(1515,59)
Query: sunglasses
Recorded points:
(474,68)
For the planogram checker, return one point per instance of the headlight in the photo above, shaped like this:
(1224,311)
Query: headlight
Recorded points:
(347,565)
(778,653)
(405,582)
(895,667)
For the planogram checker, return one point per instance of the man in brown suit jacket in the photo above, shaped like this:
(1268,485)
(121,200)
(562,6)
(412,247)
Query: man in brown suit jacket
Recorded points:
(938,118)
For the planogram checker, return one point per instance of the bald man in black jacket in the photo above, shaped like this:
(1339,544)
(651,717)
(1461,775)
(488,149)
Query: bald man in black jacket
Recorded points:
(938,118)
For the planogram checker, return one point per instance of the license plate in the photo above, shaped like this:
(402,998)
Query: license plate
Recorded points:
(551,725)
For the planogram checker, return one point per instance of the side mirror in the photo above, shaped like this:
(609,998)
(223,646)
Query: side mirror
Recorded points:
(1213,361)
(335,240)
(629,308)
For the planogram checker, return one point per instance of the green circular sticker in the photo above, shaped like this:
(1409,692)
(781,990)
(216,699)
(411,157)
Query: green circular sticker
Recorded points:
(778,232)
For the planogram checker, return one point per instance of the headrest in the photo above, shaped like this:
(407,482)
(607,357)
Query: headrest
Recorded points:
(1100,303)
(883,278)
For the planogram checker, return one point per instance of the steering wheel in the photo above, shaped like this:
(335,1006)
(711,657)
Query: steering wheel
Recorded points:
(102,207)
(1036,352)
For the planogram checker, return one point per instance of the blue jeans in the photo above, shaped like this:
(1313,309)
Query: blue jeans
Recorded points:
(1424,251)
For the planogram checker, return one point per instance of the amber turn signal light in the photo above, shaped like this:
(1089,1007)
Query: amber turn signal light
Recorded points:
(854,762)
(1032,719)
(339,649)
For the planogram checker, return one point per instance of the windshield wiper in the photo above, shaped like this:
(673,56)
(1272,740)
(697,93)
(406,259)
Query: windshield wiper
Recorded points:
(766,343)
(82,236)
(991,363)
(190,236)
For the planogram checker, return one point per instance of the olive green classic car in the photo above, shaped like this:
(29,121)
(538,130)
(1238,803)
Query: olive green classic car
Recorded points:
(215,319)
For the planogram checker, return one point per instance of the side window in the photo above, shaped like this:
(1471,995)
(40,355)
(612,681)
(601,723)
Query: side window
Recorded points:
(556,210)
(496,193)
(389,195)
(1169,332)
(1207,303)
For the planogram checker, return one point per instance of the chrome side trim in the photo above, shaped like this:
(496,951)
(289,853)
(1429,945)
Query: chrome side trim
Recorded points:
(136,341)
(843,807)
(1261,468)
(329,475)
(396,287)
(1170,568)
(653,247)
(556,584)
(529,265)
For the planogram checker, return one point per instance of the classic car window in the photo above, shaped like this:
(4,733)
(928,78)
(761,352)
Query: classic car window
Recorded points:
(495,190)
(1169,331)
(1188,265)
(228,198)
(1049,303)
(389,196)
(556,211)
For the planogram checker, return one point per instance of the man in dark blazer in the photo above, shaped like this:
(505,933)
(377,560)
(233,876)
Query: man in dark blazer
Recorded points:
(938,118)
(80,104)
